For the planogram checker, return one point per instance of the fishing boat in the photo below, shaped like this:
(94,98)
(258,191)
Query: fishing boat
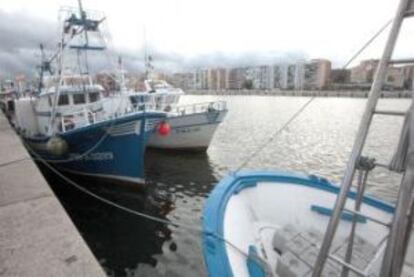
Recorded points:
(288,224)
(8,93)
(66,123)
(186,127)
(191,127)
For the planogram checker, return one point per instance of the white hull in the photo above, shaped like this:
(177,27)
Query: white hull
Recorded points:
(276,217)
(188,132)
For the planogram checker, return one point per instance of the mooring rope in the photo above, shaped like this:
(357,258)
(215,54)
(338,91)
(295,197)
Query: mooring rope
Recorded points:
(189,227)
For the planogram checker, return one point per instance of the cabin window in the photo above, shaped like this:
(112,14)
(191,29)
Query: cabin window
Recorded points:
(93,97)
(79,99)
(133,100)
(63,100)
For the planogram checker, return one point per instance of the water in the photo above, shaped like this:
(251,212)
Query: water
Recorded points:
(318,142)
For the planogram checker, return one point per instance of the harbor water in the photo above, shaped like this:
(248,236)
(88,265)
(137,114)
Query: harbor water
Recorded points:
(317,142)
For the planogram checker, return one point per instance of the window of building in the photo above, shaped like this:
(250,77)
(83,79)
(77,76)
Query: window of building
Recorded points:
(79,99)
(63,100)
(93,97)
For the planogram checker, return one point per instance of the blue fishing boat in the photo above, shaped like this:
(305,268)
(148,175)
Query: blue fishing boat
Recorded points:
(288,224)
(67,124)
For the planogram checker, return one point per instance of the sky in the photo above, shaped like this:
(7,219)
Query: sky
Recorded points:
(190,33)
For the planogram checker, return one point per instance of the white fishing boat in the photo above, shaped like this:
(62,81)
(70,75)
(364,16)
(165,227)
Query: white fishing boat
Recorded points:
(191,127)
(288,224)
(186,127)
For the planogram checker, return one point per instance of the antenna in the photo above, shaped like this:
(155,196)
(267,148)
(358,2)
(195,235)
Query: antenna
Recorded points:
(44,66)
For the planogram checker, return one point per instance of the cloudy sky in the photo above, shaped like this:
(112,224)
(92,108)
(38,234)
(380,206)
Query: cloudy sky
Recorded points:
(189,33)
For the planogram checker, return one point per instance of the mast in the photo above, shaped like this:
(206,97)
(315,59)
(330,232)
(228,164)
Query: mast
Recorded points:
(74,25)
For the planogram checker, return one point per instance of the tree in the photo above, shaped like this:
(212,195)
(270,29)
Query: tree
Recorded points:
(247,84)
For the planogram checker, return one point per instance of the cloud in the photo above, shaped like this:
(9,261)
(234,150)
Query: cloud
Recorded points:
(21,35)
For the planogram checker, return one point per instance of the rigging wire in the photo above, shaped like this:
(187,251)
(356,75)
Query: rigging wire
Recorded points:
(301,109)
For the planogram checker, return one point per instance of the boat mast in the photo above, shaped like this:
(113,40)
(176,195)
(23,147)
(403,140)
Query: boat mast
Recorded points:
(389,262)
(73,26)
(147,59)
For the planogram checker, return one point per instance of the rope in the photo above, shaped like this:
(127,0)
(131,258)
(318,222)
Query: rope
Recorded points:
(367,43)
(154,218)
(14,161)
(273,136)
(295,115)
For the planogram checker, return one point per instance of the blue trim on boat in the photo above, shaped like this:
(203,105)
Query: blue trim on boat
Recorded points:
(255,269)
(214,247)
(347,216)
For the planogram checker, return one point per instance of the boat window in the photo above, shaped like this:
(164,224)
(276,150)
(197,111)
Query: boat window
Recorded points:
(63,100)
(93,97)
(79,99)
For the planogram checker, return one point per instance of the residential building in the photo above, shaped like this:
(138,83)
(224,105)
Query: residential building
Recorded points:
(201,79)
(235,78)
(182,80)
(340,76)
(395,77)
(316,74)
(280,73)
(364,72)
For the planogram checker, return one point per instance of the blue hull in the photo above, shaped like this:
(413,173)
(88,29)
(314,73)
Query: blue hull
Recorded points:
(112,149)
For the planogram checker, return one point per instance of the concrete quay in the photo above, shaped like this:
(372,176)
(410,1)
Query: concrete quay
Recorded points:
(37,237)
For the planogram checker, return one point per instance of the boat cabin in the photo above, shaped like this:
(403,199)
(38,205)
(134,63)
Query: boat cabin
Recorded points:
(79,102)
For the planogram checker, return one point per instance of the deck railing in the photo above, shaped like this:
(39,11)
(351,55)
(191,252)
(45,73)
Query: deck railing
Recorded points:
(82,118)
(85,117)
(212,106)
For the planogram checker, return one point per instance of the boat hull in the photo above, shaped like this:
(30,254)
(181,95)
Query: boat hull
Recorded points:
(246,210)
(112,150)
(191,132)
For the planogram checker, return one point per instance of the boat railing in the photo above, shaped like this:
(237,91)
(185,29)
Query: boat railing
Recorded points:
(139,107)
(81,118)
(213,106)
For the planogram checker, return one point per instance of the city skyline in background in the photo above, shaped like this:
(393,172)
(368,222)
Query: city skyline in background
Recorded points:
(183,35)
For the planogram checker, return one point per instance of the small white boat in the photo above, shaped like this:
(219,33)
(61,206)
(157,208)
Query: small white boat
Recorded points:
(192,127)
(291,225)
(278,219)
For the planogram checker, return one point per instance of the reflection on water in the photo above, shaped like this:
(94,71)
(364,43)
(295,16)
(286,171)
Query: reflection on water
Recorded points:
(317,142)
